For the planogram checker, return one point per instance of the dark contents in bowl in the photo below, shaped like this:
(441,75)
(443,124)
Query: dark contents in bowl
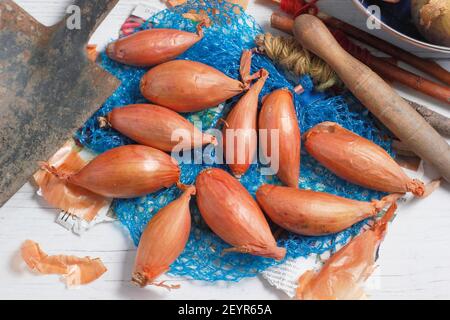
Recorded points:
(397,16)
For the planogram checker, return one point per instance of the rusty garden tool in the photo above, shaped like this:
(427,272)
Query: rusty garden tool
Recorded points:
(48,87)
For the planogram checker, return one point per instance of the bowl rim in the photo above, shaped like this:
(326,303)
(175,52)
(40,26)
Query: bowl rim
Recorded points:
(422,44)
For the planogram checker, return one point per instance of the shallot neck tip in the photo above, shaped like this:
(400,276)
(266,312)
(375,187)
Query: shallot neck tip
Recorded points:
(186,188)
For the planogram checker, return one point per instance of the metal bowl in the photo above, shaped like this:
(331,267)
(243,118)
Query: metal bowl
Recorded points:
(396,19)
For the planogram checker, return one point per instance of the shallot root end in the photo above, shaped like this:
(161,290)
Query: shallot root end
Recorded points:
(163,284)
(186,187)
(142,281)
(139,279)
(417,187)
(103,122)
(51,169)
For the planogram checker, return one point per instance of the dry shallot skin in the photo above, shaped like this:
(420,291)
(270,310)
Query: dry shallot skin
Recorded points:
(278,112)
(126,172)
(314,213)
(151,47)
(153,126)
(358,160)
(244,117)
(163,240)
(232,214)
(342,275)
(75,271)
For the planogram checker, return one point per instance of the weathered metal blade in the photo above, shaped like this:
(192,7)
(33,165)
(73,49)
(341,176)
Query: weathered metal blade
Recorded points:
(48,87)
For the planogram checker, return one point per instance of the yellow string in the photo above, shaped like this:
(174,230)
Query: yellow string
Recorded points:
(287,53)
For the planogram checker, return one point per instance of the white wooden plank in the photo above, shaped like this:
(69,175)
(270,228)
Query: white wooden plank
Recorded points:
(414,259)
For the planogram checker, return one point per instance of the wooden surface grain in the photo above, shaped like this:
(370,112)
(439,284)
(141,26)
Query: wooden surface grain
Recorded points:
(414,259)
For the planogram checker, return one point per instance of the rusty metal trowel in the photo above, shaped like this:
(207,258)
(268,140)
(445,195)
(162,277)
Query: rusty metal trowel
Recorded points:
(48,87)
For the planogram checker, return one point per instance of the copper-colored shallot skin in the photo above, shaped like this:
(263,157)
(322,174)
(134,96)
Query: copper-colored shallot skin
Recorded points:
(128,172)
(278,112)
(153,126)
(243,117)
(313,213)
(75,271)
(188,86)
(151,47)
(232,213)
(342,275)
(163,240)
(358,160)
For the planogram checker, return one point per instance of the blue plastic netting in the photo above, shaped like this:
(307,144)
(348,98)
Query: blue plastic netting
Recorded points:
(221,48)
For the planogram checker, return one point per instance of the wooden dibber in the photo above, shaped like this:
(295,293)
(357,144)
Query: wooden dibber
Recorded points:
(392,110)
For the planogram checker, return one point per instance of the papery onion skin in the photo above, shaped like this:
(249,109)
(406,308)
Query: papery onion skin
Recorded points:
(313,213)
(188,86)
(163,240)
(244,117)
(232,213)
(358,160)
(76,271)
(278,113)
(153,126)
(151,47)
(126,172)
(342,275)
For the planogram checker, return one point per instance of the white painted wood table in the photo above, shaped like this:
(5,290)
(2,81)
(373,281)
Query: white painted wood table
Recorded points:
(414,261)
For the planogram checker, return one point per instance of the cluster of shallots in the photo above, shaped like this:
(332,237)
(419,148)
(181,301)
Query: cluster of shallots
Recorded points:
(226,206)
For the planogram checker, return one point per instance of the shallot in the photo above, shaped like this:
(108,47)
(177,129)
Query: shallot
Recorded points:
(151,47)
(154,126)
(278,113)
(314,213)
(232,213)
(163,240)
(187,86)
(342,275)
(124,172)
(240,136)
(358,160)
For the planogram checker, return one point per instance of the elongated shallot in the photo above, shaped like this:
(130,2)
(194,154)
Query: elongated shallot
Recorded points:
(232,213)
(163,240)
(315,213)
(358,160)
(187,86)
(155,126)
(125,172)
(239,131)
(278,113)
(151,47)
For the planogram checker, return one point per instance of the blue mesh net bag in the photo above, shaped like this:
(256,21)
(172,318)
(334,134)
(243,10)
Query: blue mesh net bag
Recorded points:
(231,32)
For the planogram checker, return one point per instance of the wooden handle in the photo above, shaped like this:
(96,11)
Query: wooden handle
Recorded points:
(375,94)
